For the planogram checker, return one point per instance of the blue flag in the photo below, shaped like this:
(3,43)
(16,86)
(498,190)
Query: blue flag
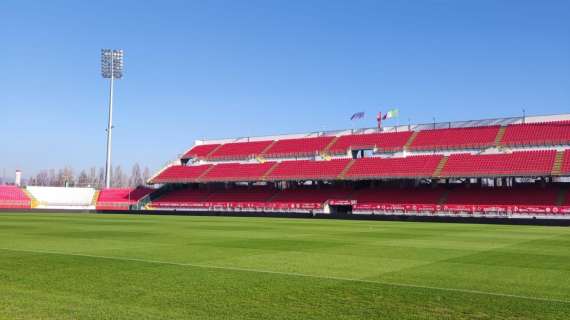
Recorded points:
(358,115)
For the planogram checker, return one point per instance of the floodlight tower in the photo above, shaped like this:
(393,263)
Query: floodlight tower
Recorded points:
(111,68)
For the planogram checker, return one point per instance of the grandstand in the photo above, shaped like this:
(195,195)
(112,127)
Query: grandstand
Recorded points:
(120,199)
(12,197)
(516,167)
(511,167)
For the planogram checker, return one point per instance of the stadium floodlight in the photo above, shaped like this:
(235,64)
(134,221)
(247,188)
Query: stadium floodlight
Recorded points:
(111,68)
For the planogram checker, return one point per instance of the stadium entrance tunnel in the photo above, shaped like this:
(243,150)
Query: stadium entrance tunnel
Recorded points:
(340,207)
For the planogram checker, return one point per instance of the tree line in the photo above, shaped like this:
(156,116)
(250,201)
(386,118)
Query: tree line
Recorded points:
(93,177)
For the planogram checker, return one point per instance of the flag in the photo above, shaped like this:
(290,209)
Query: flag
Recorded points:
(391,114)
(358,115)
(379,119)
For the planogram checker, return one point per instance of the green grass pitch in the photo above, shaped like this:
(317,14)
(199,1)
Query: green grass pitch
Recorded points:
(87,266)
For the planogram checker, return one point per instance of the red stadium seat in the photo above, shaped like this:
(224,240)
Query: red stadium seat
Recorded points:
(531,199)
(12,197)
(239,150)
(517,200)
(413,166)
(307,198)
(297,147)
(237,172)
(308,169)
(181,174)
(396,199)
(120,199)
(532,134)
(524,163)
(200,151)
(455,138)
(182,198)
(238,197)
(382,141)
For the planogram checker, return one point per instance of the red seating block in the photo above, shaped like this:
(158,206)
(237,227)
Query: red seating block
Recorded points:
(524,163)
(200,151)
(518,196)
(396,199)
(455,138)
(397,195)
(308,169)
(413,166)
(120,199)
(240,150)
(12,197)
(181,173)
(298,147)
(307,198)
(237,172)
(544,133)
(530,199)
(247,195)
(382,141)
(181,198)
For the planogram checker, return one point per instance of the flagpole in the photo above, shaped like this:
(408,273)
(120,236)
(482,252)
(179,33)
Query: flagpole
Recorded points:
(397,122)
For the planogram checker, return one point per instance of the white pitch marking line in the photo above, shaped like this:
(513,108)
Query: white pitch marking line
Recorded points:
(394,284)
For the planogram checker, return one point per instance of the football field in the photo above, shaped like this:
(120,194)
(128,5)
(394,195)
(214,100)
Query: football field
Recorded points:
(89,266)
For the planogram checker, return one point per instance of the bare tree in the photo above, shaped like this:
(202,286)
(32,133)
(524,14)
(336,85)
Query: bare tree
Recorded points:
(101,182)
(92,179)
(83,179)
(30,182)
(136,177)
(146,175)
(42,178)
(120,180)
(52,178)
(68,176)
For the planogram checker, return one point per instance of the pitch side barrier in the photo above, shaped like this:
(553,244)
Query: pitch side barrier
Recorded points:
(477,219)
(541,220)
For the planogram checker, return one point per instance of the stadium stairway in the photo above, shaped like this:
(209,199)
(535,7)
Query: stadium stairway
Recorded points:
(345,170)
(95,197)
(411,140)
(440,166)
(266,174)
(143,202)
(269,146)
(33,201)
(557,167)
(500,135)
(199,178)
(213,151)
(325,152)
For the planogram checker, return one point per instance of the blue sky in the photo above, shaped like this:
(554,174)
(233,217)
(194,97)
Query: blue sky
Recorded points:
(214,69)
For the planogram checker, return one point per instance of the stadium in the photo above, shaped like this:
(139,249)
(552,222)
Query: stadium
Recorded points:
(243,202)
(515,168)
(512,170)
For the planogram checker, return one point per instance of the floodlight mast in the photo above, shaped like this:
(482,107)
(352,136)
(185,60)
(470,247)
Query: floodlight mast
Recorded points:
(111,68)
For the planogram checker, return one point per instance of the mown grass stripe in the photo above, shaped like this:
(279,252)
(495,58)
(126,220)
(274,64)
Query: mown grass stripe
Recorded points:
(293,274)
